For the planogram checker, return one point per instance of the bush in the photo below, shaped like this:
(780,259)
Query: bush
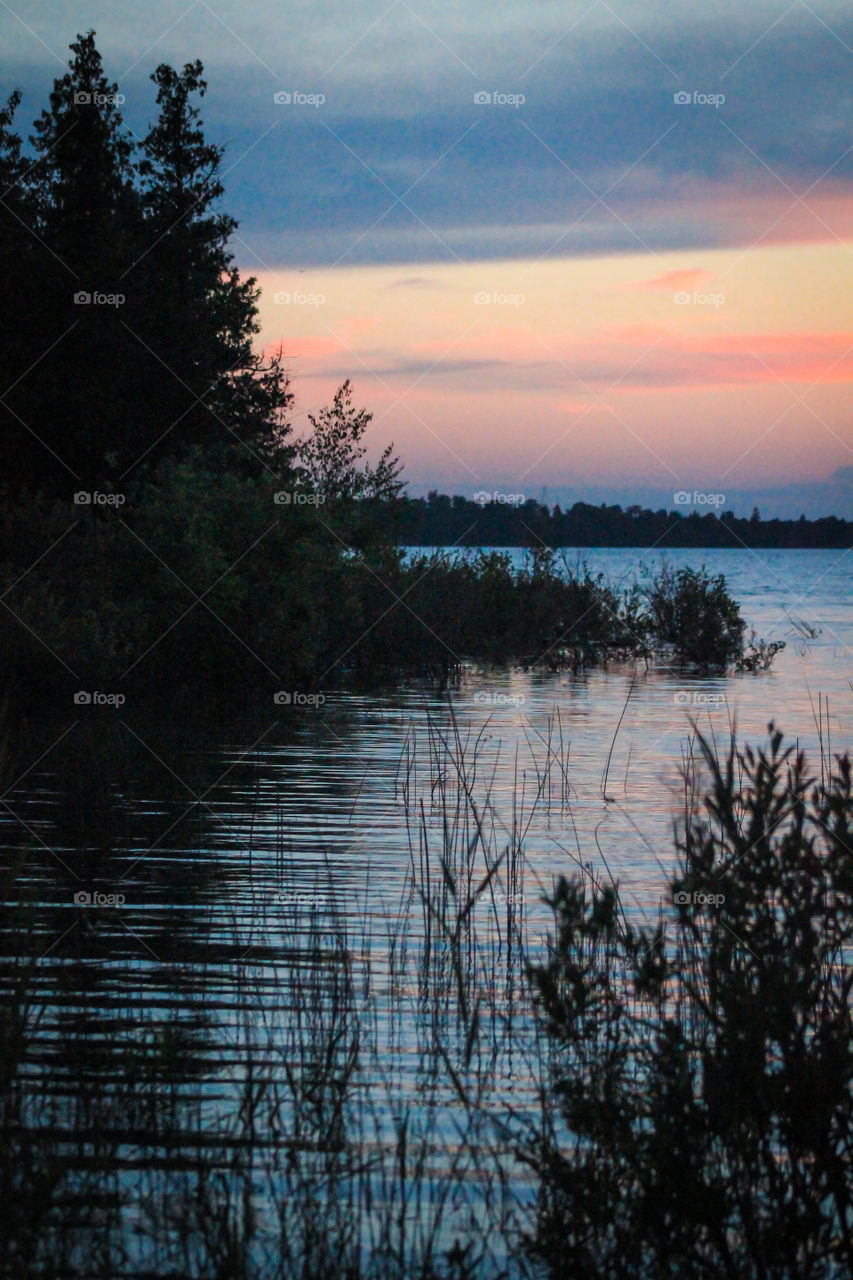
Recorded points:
(200,575)
(692,613)
(699,1119)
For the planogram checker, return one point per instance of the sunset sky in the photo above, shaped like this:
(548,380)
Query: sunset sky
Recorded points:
(602,289)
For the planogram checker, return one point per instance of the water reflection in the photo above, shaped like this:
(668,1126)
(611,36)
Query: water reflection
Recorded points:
(277,943)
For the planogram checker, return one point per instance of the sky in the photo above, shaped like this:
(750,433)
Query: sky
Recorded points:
(586,251)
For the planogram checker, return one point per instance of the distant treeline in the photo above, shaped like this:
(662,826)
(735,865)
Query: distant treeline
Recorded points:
(439,520)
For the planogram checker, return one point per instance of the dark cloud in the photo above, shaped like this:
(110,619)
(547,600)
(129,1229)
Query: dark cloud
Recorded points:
(399,163)
(415,282)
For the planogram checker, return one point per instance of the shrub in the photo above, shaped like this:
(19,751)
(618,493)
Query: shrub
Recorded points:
(691,612)
(700,1090)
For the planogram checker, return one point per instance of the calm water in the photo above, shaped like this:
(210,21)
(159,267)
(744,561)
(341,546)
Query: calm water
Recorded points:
(241,845)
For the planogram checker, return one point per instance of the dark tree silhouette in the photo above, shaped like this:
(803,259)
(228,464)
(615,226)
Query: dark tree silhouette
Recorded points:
(28,324)
(203,314)
(137,344)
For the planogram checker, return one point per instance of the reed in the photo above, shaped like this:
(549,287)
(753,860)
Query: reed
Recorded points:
(427,1090)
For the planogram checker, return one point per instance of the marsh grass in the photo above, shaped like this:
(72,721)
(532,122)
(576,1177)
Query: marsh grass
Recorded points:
(429,1091)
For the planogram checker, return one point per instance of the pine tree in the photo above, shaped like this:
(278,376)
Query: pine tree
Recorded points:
(203,316)
(21,255)
(134,328)
(88,219)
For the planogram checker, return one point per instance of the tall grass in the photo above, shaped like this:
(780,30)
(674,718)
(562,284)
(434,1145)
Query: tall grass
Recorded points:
(327,1090)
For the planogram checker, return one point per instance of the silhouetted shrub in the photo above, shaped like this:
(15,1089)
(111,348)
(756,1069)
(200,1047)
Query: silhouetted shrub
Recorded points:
(701,1072)
(692,612)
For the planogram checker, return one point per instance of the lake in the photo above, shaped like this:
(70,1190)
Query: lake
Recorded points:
(285,969)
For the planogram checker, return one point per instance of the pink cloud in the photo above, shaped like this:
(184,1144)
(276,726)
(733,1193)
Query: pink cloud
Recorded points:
(636,358)
(306,345)
(673,281)
(757,212)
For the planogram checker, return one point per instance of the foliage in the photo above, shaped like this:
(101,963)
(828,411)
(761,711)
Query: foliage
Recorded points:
(205,573)
(758,653)
(703,1084)
(133,329)
(439,520)
(691,611)
(358,498)
(222,545)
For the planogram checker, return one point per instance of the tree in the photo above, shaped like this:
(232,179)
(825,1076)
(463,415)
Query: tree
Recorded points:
(204,317)
(24,324)
(83,169)
(331,456)
(89,220)
(140,345)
